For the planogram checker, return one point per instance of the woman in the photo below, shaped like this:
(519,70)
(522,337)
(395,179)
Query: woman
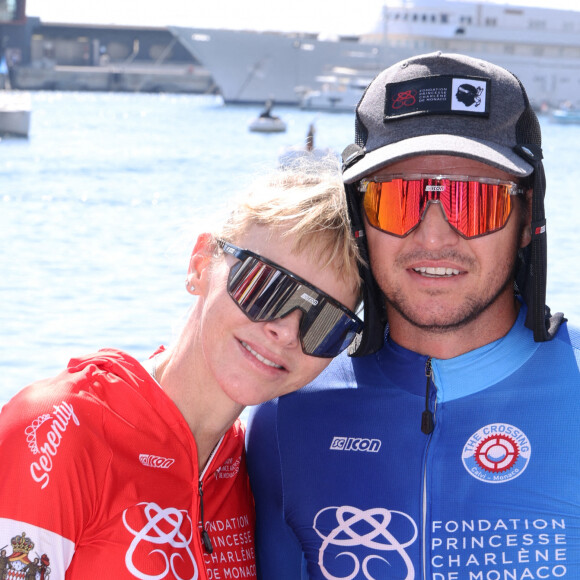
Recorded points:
(121,469)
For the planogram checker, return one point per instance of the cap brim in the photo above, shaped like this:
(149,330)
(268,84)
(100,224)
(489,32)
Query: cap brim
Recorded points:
(479,150)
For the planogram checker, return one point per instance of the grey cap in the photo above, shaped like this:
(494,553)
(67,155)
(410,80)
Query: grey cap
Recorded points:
(446,104)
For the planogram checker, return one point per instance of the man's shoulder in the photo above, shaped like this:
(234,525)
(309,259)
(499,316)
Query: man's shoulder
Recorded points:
(562,353)
(566,342)
(338,375)
(568,335)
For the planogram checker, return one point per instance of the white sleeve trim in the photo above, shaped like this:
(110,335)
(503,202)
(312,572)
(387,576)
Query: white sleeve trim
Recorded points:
(22,544)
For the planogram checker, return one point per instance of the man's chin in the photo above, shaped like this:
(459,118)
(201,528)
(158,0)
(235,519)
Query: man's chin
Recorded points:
(444,319)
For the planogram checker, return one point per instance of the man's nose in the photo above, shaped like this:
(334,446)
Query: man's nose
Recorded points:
(434,230)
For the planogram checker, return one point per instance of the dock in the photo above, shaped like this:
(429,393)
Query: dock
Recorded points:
(86,57)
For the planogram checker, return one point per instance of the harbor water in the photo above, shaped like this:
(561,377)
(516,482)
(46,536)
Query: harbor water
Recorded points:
(100,206)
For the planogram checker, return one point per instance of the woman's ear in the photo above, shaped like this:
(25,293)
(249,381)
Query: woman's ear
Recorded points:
(200,259)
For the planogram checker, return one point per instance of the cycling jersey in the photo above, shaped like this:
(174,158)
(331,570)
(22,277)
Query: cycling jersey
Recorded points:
(100,481)
(347,484)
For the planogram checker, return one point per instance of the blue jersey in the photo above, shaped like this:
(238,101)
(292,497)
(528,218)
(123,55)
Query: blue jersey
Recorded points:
(348,486)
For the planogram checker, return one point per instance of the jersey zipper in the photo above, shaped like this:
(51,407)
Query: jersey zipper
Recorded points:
(205,539)
(427,426)
(427,423)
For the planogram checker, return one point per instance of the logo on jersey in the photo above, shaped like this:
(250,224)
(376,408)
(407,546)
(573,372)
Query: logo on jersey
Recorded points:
(161,543)
(44,440)
(156,461)
(497,453)
(355,444)
(370,541)
(19,565)
(229,469)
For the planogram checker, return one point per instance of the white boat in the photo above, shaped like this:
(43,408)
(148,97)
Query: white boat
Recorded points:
(540,45)
(267,125)
(266,122)
(565,116)
(15,107)
(335,96)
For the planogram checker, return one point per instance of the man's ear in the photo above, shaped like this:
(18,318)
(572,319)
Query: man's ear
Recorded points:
(526,236)
(200,259)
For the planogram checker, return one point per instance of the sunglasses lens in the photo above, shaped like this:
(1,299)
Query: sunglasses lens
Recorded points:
(471,207)
(265,293)
(260,290)
(393,206)
(329,332)
(479,208)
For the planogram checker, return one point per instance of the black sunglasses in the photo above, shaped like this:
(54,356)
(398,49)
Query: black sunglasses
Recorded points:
(265,291)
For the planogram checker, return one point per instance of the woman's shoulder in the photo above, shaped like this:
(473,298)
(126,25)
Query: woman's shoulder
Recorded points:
(88,387)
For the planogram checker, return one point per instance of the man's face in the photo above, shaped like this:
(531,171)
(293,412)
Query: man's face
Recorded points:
(434,279)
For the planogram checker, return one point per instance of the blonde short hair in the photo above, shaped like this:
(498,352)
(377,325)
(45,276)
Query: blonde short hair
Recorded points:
(307,201)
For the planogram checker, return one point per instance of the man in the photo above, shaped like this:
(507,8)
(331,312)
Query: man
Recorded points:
(450,452)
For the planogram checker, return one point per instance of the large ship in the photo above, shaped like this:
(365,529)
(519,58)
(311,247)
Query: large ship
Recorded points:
(540,45)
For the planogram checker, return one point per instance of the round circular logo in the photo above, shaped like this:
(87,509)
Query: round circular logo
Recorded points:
(497,453)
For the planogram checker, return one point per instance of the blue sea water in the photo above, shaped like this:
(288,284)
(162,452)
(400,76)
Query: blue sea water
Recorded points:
(100,206)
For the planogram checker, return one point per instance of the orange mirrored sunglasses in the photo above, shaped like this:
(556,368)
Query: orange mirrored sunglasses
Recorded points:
(473,207)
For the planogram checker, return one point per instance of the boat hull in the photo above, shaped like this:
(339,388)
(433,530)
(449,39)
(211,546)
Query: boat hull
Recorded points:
(564,117)
(14,113)
(251,67)
(261,125)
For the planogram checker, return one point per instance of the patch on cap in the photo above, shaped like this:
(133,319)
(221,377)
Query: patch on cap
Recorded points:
(443,95)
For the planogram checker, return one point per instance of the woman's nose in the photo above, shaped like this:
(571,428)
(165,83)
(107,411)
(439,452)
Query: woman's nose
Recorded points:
(285,331)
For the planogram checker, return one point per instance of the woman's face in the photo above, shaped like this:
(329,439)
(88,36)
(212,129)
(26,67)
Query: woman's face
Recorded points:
(252,362)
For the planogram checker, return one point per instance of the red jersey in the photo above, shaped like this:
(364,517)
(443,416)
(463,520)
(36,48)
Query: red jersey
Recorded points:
(100,481)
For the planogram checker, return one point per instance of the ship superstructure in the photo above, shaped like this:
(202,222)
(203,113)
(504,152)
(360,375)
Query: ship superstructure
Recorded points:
(540,45)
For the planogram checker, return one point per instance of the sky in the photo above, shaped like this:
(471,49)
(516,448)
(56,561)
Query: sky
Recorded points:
(299,15)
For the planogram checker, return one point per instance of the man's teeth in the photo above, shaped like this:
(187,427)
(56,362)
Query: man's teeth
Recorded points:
(260,357)
(437,271)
